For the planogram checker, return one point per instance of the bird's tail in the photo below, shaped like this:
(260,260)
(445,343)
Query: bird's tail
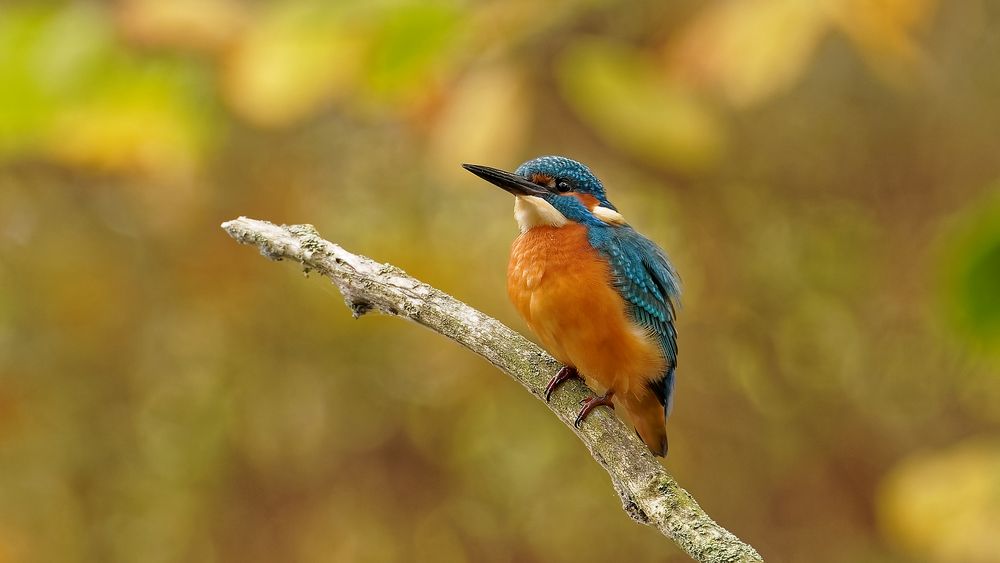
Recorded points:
(646,414)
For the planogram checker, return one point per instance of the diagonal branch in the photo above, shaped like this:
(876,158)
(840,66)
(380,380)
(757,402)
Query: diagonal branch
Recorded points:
(649,494)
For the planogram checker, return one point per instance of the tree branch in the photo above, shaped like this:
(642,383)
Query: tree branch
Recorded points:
(648,493)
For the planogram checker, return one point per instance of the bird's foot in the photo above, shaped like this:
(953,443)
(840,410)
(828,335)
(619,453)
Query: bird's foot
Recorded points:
(591,403)
(565,373)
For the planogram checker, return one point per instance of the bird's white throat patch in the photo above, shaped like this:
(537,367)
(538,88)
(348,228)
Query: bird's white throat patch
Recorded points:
(532,211)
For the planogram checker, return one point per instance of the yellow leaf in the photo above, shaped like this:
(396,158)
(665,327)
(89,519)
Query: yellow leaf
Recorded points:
(289,64)
(884,28)
(203,25)
(751,49)
(945,505)
(485,119)
(132,137)
(624,96)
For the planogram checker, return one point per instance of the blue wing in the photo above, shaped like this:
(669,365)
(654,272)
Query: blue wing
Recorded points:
(645,278)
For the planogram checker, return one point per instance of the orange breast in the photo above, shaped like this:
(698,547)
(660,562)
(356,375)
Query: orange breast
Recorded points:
(563,289)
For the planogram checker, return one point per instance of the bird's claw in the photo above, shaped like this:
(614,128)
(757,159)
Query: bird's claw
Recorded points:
(565,373)
(591,403)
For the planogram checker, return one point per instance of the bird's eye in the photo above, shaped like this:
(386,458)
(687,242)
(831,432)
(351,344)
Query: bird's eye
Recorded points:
(563,186)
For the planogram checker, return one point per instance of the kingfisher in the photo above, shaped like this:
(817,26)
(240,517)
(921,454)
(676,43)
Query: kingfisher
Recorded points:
(599,296)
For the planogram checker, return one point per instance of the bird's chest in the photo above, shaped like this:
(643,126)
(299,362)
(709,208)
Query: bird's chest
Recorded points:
(553,279)
(563,289)
(554,262)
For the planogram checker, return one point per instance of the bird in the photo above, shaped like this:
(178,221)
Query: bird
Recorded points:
(600,297)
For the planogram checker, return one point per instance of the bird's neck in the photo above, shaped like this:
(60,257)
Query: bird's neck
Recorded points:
(533,211)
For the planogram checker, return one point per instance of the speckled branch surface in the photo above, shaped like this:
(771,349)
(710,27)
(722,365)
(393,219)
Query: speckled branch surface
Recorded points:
(648,493)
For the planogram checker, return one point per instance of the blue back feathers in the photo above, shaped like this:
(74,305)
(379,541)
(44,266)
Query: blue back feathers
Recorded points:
(648,282)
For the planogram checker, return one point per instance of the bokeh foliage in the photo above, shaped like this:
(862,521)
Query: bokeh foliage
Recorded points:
(823,174)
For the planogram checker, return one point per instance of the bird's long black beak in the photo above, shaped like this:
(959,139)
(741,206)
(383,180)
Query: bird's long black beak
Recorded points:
(509,182)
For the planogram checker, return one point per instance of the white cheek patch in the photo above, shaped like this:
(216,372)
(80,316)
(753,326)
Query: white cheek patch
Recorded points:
(609,216)
(532,211)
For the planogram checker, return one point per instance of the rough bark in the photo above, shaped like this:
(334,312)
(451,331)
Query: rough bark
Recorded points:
(648,493)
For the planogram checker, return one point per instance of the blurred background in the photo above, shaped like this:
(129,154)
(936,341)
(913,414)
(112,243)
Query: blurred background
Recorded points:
(825,175)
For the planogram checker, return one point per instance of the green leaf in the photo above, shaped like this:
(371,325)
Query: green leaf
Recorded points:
(410,42)
(45,54)
(972,272)
(629,102)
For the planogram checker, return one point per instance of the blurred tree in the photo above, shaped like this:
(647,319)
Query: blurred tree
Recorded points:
(822,173)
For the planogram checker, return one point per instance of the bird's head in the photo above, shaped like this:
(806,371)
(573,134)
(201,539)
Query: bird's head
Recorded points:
(553,190)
